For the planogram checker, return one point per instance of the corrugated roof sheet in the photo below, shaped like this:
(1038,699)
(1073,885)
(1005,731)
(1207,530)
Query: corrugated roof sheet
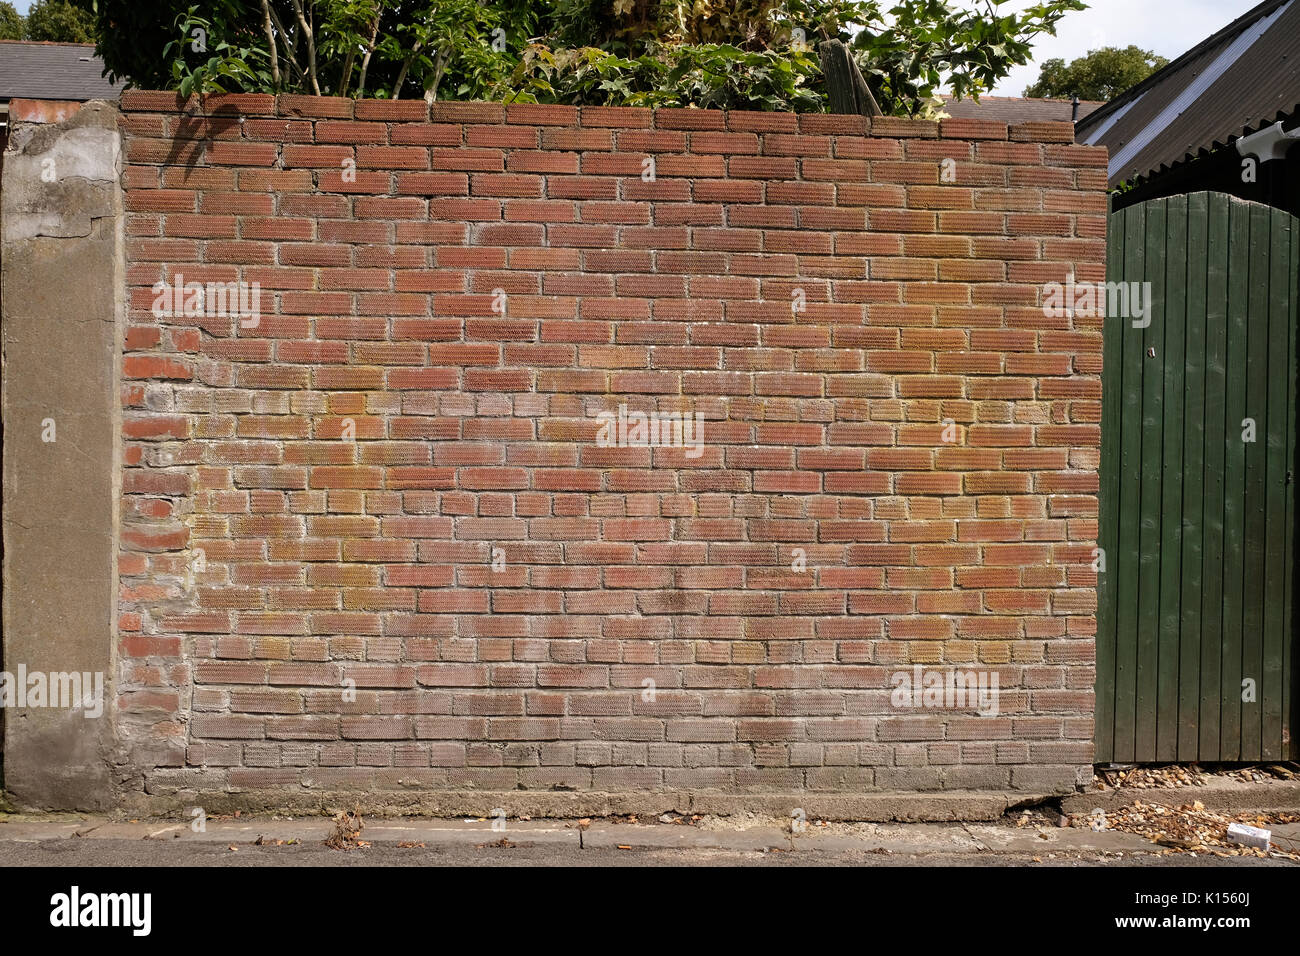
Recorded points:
(52,71)
(1245,77)
(1015,109)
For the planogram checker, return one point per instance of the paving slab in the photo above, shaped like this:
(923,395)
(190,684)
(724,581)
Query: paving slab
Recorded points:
(303,830)
(924,838)
(1219,793)
(735,834)
(1035,839)
(641,836)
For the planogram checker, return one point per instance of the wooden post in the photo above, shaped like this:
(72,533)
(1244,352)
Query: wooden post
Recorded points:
(849,92)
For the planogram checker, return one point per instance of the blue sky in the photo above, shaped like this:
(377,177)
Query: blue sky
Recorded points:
(1169,27)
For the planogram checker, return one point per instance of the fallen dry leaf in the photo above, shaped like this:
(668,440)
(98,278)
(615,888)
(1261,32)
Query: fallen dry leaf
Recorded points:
(1191,827)
(347,831)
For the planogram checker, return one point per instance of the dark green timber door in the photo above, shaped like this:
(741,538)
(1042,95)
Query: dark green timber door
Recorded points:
(1195,631)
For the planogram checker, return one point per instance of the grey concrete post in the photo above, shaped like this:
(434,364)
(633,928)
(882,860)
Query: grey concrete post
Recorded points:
(63,306)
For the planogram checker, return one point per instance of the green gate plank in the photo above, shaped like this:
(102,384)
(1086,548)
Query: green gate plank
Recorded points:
(1153,421)
(1216,358)
(1189,664)
(1272,635)
(1197,525)
(1290,670)
(1108,513)
(1170,517)
(1171,526)
(1234,481)
(1124,565)
(1252,610)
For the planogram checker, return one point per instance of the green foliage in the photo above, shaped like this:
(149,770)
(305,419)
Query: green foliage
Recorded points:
(754,54)
(61,21)
(132,37)
(1100,75)
(234,61)
(927,45)
(11,22)
(718,76)
(461,43)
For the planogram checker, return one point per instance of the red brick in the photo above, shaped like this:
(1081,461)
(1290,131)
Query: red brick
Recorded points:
(353,467)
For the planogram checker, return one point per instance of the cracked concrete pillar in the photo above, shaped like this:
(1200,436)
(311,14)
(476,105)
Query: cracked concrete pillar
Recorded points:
(62,270)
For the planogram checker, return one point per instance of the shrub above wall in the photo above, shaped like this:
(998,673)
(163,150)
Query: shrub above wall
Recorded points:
(747,54)
(373,540)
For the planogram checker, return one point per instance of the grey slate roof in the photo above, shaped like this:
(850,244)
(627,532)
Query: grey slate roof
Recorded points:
(1245,77)
(1016,109)
(52,71)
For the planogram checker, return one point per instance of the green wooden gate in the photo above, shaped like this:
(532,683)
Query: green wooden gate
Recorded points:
(1197,529)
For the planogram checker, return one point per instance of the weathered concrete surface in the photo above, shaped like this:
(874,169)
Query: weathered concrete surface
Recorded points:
(903,806)
(276,841)
(742,840)
(715,833)
(63,285)
(176,853)
(1219,793)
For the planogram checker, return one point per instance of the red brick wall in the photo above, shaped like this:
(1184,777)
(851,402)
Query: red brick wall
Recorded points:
(325,560)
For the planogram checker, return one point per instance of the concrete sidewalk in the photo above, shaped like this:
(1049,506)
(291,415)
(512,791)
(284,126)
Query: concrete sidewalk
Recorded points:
(271,841)
(740,831)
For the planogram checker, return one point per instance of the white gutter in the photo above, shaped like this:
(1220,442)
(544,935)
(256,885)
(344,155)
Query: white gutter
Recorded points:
(1270,143)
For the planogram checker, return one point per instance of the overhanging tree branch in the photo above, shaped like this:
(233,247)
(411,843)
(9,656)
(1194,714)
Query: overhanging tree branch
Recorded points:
(270,41)
(365,60)
(311,45)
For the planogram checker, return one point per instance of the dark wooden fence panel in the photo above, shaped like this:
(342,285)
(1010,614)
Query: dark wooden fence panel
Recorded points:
(1195,643)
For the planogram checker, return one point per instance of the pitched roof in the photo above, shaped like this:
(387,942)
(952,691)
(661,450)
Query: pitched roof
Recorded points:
(1016,109)
(52,71)
(1245,77)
